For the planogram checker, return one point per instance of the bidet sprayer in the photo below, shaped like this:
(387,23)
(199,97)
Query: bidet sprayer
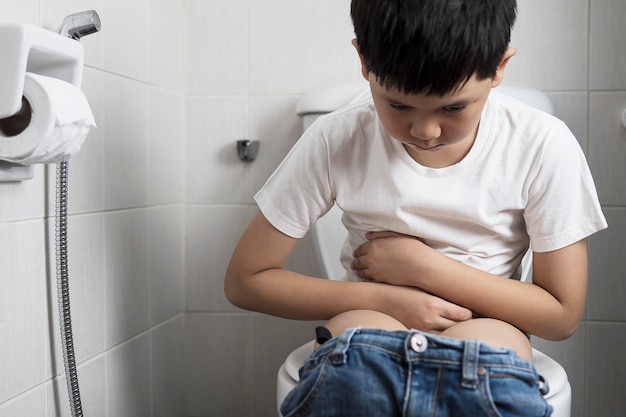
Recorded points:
(80,24)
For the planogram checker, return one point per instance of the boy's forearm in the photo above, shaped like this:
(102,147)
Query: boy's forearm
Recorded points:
(290,295)
(527,306)
(255,280)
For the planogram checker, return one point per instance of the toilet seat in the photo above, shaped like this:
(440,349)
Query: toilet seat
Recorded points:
(559,396)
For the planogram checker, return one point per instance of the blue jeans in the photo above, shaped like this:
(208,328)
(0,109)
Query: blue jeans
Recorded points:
(379,373)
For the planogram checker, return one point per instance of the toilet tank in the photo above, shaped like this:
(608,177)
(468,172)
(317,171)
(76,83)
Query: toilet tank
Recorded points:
(328,233)
(328,98)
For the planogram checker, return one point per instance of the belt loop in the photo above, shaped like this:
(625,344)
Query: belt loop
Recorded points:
(544,388)
(338,355)
(470,364)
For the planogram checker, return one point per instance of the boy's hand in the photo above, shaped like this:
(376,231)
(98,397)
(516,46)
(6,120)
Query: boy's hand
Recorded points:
(419,310)
(393,258)
(397,259)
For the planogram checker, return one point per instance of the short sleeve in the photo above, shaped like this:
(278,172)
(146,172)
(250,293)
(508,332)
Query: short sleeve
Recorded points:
(298,192)
(563,205)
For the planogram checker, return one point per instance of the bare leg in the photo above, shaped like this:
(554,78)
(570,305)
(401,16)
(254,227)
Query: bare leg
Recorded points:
(361,318)
(495,333)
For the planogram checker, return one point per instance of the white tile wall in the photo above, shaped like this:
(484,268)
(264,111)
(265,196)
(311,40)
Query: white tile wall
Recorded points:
(126,228)
(607,57)
(606,369)
(572,108)
(165,55)
(92,387)
(214,172)
(166,262)
(129,375)
(166,146)
(167,369)
(552,43)
(30,403)
(127,283)
(218,368)
(25,11)
(125,129)
(23,306)
(607,286)
(287,45)
(126,38)
(607,144)
(210,242)
(159,198)
(218,37)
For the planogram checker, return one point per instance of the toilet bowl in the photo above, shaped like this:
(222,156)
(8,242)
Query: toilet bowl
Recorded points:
(329,234)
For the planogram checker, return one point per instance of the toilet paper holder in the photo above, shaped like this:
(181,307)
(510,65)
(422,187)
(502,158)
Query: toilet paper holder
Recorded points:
(28,48)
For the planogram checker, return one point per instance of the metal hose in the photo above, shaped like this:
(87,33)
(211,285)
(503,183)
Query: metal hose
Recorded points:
(63,291)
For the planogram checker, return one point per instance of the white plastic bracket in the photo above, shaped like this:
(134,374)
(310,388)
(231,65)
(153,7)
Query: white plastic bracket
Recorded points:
(27,48)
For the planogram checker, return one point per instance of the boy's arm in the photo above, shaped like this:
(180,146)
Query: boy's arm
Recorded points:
(255,280)
(551,307)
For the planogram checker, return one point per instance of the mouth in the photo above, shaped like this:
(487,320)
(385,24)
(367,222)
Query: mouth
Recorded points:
(418,148)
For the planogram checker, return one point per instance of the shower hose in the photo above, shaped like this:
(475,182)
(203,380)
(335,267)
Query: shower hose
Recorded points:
(63,292)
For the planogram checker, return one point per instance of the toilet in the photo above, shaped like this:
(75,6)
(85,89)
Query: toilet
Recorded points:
(329,234)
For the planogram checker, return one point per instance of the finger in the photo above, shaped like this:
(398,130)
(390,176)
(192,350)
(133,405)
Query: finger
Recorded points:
(357,265)
(444,324)
(437,325)
(457,313)
(363,274)
(360,251)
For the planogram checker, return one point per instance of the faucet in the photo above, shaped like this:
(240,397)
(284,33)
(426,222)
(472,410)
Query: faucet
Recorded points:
(80,24)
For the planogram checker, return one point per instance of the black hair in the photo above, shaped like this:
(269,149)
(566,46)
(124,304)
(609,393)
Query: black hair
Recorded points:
(432,46)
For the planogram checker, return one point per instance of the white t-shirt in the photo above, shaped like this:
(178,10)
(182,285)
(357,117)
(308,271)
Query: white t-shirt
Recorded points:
(525,180)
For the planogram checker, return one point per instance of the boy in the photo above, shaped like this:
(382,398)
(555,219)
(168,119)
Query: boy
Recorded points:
(443,187)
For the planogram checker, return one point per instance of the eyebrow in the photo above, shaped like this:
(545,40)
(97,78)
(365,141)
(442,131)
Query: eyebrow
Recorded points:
(464,102)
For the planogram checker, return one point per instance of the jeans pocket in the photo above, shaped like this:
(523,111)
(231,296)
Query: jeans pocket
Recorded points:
(301,398)
(508,395)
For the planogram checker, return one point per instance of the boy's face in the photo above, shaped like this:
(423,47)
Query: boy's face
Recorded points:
(436,131)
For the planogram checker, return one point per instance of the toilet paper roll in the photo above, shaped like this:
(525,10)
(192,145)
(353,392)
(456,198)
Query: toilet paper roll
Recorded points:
(51,126)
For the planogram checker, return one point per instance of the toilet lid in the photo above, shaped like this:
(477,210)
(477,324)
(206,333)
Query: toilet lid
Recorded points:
(547,367)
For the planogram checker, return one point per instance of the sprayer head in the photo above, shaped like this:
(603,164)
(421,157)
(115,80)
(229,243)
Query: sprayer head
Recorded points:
(80,24)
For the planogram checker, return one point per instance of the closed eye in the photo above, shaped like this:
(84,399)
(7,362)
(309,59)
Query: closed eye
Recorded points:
(454,109)
(399,107)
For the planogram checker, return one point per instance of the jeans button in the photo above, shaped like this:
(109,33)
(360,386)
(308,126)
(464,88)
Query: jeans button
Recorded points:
(419,343)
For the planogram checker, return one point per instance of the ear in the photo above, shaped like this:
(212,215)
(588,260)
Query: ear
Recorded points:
(508,54)
(364,70)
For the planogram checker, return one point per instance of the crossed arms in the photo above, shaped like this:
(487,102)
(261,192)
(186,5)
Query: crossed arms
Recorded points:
(411,282)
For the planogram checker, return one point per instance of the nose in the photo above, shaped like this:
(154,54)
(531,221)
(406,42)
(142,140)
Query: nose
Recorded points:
(425,128)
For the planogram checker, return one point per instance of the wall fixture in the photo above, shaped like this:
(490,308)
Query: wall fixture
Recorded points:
(247,149)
